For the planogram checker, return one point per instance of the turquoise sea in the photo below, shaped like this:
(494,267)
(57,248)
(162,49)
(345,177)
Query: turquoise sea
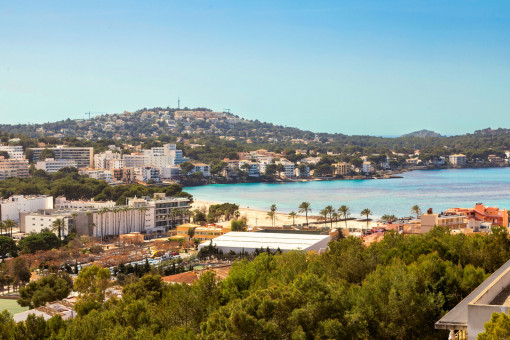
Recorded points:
(437,189)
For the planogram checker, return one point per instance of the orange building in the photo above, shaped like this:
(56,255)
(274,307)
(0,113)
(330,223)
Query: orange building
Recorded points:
(482,213)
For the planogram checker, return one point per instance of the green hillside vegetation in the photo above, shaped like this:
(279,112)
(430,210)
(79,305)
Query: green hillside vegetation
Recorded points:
(394,289)
(69,183)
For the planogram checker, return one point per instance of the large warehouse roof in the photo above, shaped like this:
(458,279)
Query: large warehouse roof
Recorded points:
(250,241)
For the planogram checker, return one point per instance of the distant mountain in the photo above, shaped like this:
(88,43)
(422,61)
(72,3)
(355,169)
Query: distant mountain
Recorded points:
(422,133)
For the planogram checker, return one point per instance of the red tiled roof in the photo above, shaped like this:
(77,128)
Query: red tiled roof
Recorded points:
(187,277)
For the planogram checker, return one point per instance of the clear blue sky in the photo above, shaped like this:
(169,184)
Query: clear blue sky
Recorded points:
(355,67)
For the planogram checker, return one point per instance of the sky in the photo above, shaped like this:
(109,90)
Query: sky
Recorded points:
(353,67)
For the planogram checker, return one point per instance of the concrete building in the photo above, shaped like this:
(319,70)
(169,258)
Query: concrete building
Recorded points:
(457,159)
(168,212)
(101,159)
(203,168)
(14,151)
(481,213)
(159,157)
(250,241)
(289,168)
(467,319)
(51,165)
(11,208)
(171,172)
(62,203)
(13,168)
(84,157)
(135,160)
(147,173)
(367,168)
(342,168)
(43,219)
(102,175)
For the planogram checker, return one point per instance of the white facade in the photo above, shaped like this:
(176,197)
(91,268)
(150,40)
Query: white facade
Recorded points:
(204,168)
(289,168)
(102,175)
(62,203)
(457,159)
(147,173)
(135,160)
(36,222)
(367,168)
(250,241)
(14,151)
(171,172)
(100,159)
(51,165)
(159,157)
(14,205)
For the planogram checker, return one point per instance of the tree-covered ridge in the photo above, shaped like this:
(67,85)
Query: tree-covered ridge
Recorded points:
(394,289)
(67,182)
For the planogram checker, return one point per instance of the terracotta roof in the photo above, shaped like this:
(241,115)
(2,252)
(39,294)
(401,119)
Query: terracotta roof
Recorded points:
(187,277)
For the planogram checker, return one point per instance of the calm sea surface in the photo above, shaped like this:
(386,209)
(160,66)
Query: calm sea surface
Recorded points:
(437,189)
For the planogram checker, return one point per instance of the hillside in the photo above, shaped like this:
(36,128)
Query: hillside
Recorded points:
(423,134)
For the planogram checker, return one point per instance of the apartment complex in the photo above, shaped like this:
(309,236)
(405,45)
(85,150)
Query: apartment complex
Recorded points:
(84,157)
(14,151)
(51,165)
(13,168)
(457,159)
(11,208)
(342,168)
(481,213)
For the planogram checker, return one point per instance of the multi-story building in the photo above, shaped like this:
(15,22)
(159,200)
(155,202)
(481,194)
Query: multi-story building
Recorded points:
(342,168)
(302,171)
(457,159)
(254,169)
(102,175)
(44,219)
(169,212)
(171,172)
(367,168)
(123,175)
(203,168)
(13,168)
(204,233)
(14,151)
(147,173)
(83,156)
(51,165)
(481,213)
(497,161)
(288,166)
(134,160)
(62,203)
(159,157)
(102,160)
(11,208)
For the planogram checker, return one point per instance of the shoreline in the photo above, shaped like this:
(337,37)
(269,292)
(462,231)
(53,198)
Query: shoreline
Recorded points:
(393,175)
(258,218)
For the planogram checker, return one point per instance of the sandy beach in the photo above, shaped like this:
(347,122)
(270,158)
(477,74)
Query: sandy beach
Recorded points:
(258,218)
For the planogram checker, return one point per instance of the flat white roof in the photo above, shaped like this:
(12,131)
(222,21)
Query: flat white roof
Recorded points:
(256,240)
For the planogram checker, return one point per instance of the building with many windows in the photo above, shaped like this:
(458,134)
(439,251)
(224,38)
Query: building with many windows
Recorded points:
(51,165)
(13,168)
(84,157)
(11,207)
(14,151)
(457,159)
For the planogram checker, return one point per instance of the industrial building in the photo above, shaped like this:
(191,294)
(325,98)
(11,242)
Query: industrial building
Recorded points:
(250,241)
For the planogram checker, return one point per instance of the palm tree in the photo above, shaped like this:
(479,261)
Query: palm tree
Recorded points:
(304,207)
(329,210)
(271,215)
(335,216)
(367,213)
(2,227)
(324,214)
(58,225)
(293,215)
(388,218)
(345,213)
(273,210)
(8,225)
(142,211)
(416,210)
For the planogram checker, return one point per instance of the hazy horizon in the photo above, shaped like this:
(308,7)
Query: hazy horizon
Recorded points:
(357,68)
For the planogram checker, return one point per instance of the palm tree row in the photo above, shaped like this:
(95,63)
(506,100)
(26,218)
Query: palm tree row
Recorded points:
(7,225)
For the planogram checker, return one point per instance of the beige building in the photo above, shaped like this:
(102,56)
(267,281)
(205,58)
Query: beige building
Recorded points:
(342,168)
(84,157)
(13,168)
(457,159)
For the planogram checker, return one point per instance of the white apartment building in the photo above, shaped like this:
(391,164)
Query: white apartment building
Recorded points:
(11,208)
(100,159)
(102,175)
(51,165)
(289,168)
(13,168)
(171,172)
(147,173)
(83,156)
(202,167)
(254,168)
(14,151)
(62,203)
(135,160)
(367,168)
(457,159)
(37,221)
(159,157)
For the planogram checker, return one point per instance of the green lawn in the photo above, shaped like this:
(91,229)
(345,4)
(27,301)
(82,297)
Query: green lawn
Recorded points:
(12,306)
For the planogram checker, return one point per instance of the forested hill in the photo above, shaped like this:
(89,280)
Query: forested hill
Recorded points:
(204,129)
